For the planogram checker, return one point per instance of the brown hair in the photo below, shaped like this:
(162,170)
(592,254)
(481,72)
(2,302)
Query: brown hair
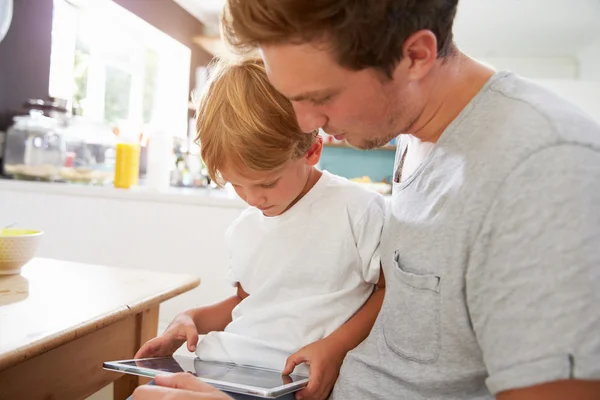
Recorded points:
(361,33)
(242,118)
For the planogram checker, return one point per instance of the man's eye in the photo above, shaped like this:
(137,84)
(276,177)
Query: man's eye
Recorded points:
(322,101)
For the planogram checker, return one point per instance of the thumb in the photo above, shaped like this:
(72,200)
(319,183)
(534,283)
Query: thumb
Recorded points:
(191,334)
(291,362)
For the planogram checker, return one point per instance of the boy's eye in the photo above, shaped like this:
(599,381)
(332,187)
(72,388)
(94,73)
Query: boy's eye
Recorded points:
(269,185)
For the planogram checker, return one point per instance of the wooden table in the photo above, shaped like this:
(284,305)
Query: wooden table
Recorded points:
(60,320)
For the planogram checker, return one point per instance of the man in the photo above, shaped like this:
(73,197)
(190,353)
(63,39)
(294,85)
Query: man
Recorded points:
(491,253)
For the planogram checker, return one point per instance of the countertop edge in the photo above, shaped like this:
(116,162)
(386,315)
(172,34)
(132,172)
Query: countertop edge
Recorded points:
(37,348)
(187,196)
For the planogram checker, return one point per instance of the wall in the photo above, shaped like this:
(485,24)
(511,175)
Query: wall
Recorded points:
(589,62)
(25,54)
(352,163)
(25,51)
(539,68)
(584,94)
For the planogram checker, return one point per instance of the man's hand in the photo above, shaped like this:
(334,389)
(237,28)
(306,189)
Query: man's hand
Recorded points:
(324,359)
(181,330)
(182,386)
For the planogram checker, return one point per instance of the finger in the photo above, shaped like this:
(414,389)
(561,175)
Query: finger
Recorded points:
(314,383)
(186,381)
(191,334)
(291,362)
(149,349)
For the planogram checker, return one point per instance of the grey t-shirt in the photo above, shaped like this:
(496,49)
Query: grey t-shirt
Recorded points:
(491,255)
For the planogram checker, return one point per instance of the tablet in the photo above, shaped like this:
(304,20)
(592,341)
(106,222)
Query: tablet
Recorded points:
(228,377)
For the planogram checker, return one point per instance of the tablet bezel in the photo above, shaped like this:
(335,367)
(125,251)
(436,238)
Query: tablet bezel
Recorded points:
(233,387)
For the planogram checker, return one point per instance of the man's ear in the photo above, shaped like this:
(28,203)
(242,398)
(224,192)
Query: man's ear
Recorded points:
(420,49)
(313,155)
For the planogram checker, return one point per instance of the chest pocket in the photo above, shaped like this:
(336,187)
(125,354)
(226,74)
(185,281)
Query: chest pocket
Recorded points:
(411,313)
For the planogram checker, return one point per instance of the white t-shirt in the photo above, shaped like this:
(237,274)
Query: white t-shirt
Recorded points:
(306,271)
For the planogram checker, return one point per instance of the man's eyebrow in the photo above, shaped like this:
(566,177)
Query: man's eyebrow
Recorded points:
(311,95)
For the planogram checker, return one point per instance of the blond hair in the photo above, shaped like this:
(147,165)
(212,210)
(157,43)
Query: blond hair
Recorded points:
(243,118)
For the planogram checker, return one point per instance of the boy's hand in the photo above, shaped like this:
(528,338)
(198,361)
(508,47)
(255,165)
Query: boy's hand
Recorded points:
(325,360)
(182,329)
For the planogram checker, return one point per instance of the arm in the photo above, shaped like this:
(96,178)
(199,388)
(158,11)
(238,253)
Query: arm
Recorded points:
(353,332)
(368,234)
(533,278)
(189,324)
(558,390)
(216,316)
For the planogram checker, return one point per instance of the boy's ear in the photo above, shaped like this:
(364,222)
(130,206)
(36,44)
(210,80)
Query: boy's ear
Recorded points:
(313,155)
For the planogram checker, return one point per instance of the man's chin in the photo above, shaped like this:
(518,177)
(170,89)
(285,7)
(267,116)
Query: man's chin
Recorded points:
(363,144)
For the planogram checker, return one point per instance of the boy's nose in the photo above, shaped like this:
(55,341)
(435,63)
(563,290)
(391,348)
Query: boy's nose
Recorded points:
(254,200)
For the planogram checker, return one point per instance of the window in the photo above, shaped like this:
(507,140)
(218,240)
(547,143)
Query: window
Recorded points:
(116,68)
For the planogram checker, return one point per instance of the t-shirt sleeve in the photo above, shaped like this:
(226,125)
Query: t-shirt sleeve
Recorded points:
(368,236)
(534,292)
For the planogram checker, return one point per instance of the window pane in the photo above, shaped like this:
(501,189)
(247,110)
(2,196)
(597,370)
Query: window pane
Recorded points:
(116,97)
(150,76)
(80,72)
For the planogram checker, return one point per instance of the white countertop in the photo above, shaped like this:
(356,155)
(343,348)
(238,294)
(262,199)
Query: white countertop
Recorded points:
(199,197)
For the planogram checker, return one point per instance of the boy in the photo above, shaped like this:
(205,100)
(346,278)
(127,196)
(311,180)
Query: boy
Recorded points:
(305,268)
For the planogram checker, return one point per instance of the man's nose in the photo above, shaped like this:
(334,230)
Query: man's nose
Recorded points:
(308,117)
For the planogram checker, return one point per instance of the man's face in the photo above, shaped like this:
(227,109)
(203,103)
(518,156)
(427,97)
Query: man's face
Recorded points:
(364,107)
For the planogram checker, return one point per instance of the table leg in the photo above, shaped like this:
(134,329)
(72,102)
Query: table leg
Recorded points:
(146,329)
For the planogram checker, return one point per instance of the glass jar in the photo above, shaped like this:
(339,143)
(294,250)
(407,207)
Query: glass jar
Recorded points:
(90,152)
(35,148)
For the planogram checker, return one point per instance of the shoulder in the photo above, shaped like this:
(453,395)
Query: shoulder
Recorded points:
(356,199)
(516,123)
(243,224)
(538,116)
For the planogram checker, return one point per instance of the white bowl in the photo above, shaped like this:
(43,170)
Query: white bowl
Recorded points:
(17,248)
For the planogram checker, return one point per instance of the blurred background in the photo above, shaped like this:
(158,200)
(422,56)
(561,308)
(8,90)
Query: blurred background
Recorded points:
(132,66)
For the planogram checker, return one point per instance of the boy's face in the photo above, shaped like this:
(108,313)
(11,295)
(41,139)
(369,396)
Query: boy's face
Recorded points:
(273,192)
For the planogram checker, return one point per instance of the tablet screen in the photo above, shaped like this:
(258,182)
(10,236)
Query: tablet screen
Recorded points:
(218,372)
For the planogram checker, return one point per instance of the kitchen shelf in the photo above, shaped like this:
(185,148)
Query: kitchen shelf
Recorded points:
(345,145)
